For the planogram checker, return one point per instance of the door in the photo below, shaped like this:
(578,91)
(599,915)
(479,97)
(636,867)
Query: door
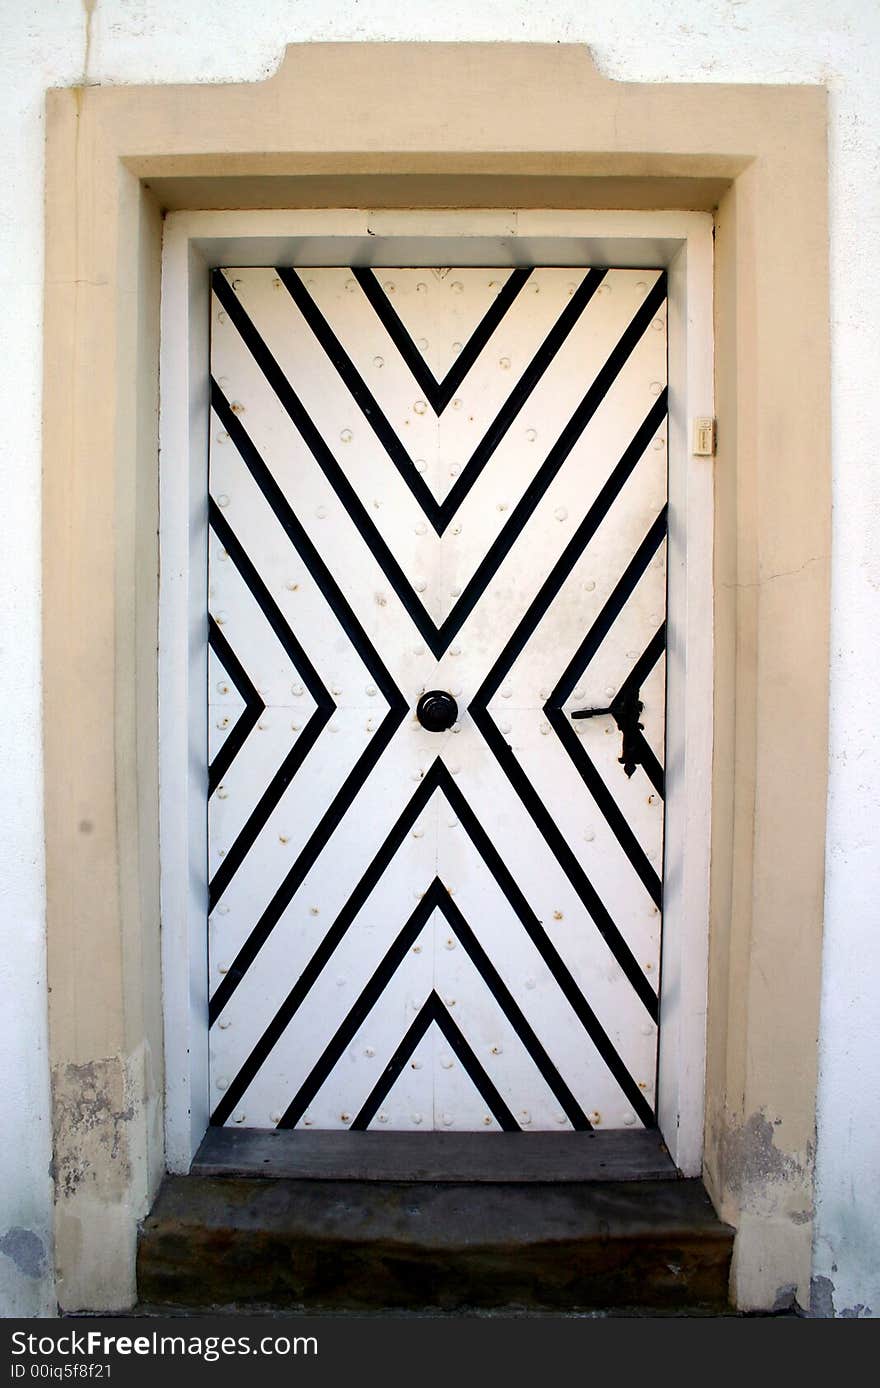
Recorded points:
(437,536)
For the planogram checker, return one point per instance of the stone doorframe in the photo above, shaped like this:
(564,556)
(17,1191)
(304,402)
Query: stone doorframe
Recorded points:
(435,126)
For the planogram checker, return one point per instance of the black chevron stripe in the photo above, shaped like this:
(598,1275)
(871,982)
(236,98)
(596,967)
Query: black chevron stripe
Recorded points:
(538,810)
(250,714)
(437,778)
(512,1011)
(397,705)
(323,456)
(548,952)
(434,1011)
(438,638)
(439,513)
(514,1014)
(439,393)
(272,794)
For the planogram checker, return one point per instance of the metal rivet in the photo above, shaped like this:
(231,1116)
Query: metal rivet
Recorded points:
(383,1117)
(531,435)
(456,347)
(378,361)
(456,404)
(455,650)
(525,1117)
(450,943)
(452,823)
(223,1025)
(263,725)
(456,728)
(416,949)
(647,1029)
(417,1118)
(506,692)
(345,1117)
(422,344)
(659,445)
(456,286)
(222,910)
(351,286)
(447,1062)
(369,1051)
(223,555)
(335,689)
(488,1120)
(223,499)
(221,317)
(275,1117)
(502,506)
(222,793)
(346,436)
(496,1049)
(415,1064)
(381,600)
(284,838)
(420,407)
(221,852)
(314,910)
(655,388)
(610,691)
(223,724)
(557,915)
(292,587)
(589,585)
(421,287)
(455,770)
(504,363)
(544,728)
(296,690)
(376,503)
(659,324)
(221,618)
(240,1117)
(589,835)
(641,286)
(222,1082)
(321,512)
(420,584)
(421,528)
(294,727)
(307,1120)
(561,513)
(418,894)
(456,529)
(504,727)
(579,694)
(332,728)
(595,1117)
(453,472)
(389,286)
(531,983)
(420,465)
(447,1120)
(237,407)
(629,1119)
(418,650)
(455,592)
(418,832)
(450,1002)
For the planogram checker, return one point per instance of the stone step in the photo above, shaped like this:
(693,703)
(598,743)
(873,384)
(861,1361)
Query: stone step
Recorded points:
(317,1245)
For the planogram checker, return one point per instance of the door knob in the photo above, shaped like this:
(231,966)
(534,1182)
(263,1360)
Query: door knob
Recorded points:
(437,711)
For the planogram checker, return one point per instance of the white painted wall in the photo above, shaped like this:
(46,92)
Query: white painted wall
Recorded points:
(639,40)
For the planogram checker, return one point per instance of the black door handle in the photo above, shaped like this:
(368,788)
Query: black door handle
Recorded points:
(624,708)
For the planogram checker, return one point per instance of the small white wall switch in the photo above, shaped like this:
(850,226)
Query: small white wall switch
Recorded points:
(704,437)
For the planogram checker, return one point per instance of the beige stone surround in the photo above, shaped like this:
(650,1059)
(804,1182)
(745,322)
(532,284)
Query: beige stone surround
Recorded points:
(435,125)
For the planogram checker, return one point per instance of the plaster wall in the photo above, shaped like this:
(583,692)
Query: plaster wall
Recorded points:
(120,41)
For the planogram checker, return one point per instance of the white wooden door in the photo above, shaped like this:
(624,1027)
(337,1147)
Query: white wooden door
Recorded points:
(447,481)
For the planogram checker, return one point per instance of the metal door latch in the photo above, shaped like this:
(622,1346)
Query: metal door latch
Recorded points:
(624,708)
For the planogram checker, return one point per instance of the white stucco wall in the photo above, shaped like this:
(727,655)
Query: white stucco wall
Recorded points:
(643,40)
